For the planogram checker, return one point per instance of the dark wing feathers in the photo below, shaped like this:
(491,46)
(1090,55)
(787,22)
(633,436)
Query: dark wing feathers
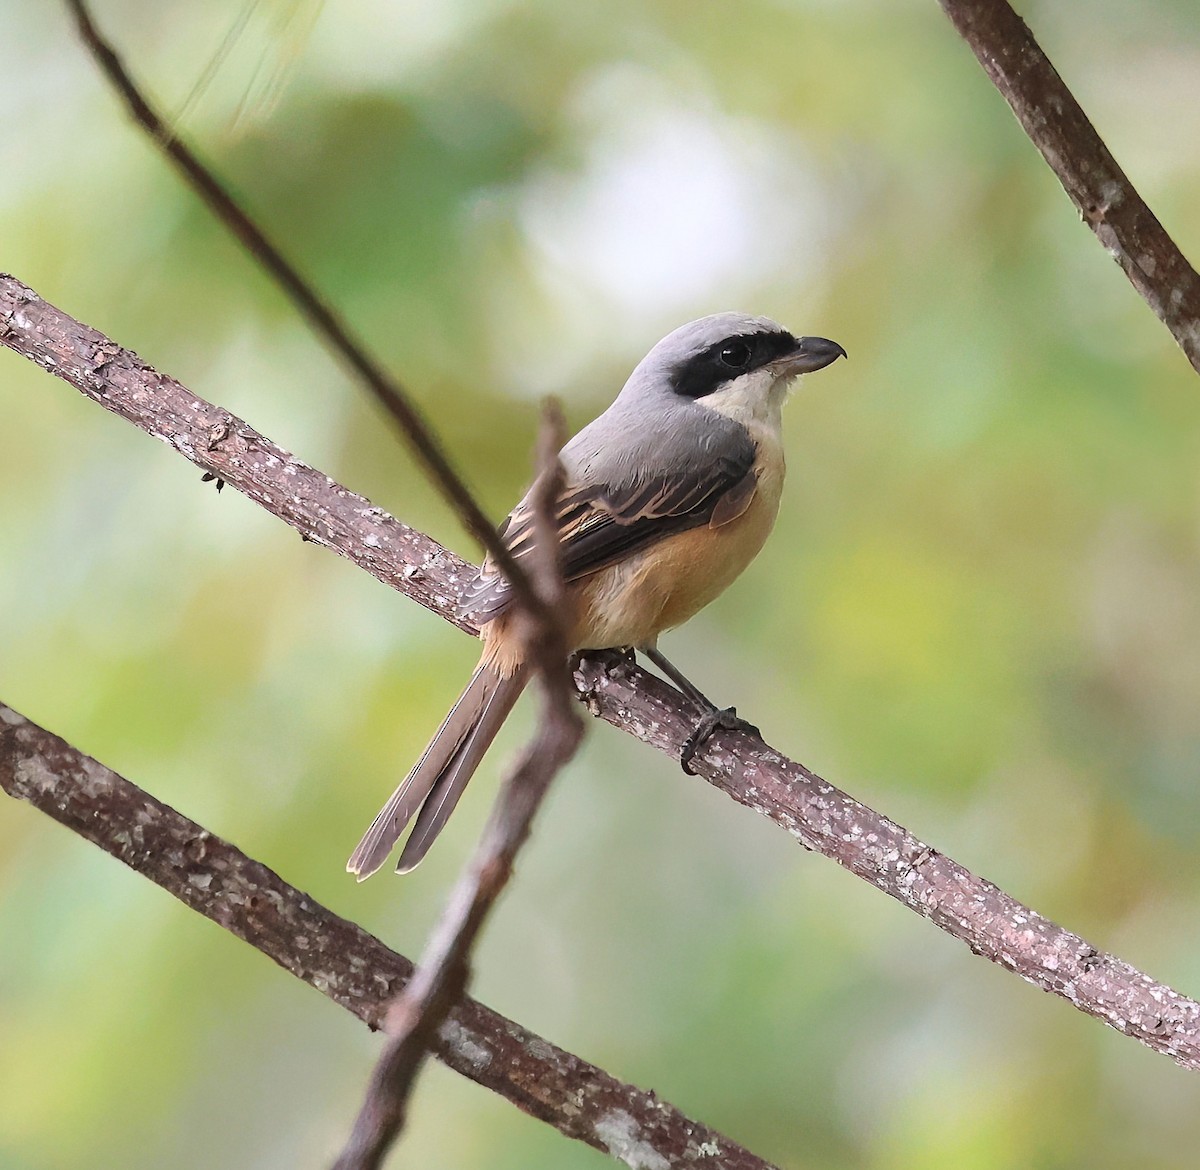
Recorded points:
(601,524)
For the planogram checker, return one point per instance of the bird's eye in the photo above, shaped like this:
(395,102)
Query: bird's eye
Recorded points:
(735,355)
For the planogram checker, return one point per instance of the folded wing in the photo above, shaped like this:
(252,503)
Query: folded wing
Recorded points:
(601,523)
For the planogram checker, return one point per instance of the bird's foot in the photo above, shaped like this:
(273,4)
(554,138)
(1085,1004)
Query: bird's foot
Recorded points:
(718,719)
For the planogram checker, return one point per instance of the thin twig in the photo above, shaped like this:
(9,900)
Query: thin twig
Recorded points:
(325,322)
(819,816)
(1107,200)
(444,970)
(339,959)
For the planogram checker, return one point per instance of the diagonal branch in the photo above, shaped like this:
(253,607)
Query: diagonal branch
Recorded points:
(817,814)
(442,977)
(341,960)
(323,320)
(1105,197)
(216,441)
(418,1012)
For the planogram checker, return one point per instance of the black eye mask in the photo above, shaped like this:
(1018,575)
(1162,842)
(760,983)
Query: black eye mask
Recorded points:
(722,362)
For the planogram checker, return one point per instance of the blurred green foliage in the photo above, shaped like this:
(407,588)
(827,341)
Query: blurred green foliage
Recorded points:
(980,611)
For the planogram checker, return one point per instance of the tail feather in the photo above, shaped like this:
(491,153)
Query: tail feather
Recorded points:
(440,802)
(441,773)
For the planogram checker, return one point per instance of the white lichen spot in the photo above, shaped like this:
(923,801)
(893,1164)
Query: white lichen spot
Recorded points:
(96,779)
(9,716)
(477,1055)
(708,1150)
(540,1049)
(1190,335)
(371,540)
(618,1130)
(32,773)
(200,880)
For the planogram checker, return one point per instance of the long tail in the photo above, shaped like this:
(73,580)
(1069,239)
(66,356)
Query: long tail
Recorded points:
(440,775)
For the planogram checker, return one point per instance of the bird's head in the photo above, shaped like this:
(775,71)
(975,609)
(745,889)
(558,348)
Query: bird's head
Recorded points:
(735,364)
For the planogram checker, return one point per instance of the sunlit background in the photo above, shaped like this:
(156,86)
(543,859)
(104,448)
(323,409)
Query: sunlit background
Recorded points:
(980,611)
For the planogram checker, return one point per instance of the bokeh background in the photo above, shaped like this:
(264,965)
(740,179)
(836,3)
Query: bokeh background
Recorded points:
(980,611)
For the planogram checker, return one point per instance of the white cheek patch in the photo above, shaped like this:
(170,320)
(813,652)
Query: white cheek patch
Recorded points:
(752,398)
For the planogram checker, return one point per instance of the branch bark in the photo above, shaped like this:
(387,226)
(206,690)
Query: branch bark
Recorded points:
(1106,199)
(341,960)
(223,445)
(817,814)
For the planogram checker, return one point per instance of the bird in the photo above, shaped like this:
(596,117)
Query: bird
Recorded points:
(668,495)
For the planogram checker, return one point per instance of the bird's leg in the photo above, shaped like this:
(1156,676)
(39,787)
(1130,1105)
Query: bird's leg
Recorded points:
(714,718)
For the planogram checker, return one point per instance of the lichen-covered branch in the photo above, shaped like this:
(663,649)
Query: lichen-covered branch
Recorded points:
(220,443)
(1107,200)
(341,960)
(823,818)
(819,816)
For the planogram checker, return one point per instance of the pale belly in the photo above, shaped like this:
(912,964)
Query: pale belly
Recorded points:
(632,603)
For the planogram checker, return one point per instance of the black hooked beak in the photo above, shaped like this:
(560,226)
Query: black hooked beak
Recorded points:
(812,353)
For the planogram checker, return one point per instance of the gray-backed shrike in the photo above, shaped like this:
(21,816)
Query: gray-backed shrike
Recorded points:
(669,495)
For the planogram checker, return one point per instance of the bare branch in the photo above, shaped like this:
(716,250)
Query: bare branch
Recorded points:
(1106,199)
(969,908)
(339,959)
(819,816)
(326,323)
(444,970)
(225,446)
